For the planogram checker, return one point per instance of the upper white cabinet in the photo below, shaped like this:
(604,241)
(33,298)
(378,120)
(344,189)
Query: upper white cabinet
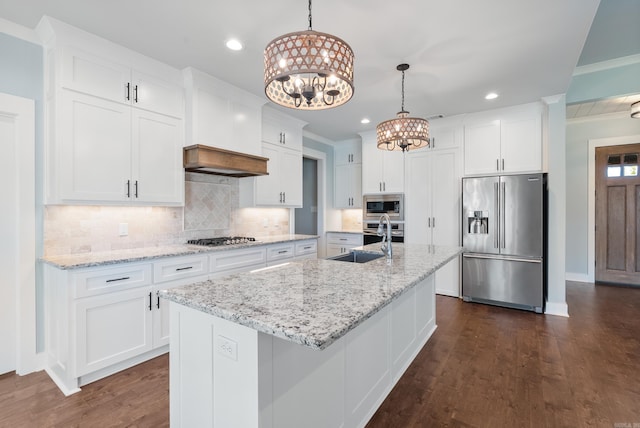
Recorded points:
(348,175)
(504,141)
(114,121)
(382,171)
(222,115)
(282,145)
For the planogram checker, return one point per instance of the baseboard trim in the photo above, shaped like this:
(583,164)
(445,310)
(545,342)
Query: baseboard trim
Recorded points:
(577,277)
(560,309)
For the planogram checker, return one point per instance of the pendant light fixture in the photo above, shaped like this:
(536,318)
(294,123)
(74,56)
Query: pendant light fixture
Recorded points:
(308,69)
(403,133)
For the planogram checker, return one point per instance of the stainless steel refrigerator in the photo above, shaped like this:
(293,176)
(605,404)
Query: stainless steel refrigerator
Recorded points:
(504,234)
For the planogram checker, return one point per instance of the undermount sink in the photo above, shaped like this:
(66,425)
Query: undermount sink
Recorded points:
(357,257)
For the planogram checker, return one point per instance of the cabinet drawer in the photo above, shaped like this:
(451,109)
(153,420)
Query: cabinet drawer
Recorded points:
(93,282)
(280,252)
(236,259)
(180,267)
(354,239)
(306,247)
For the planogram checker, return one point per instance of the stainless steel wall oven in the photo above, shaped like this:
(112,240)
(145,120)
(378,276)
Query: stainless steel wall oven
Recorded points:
(375,205)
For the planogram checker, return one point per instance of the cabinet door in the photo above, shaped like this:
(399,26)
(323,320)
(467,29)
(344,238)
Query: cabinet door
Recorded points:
(290,172)
(482,148)
(356,185)
(446,194)
(371,167)
(392,172)
(112,328)
(418,198)
(267,187)
(158,175)
(521,143)
(444,138)
(94,163)
(337,249)
(342,186)
(155,94)
(94,75)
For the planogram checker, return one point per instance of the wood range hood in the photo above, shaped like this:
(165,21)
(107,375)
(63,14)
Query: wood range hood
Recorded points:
(215,161)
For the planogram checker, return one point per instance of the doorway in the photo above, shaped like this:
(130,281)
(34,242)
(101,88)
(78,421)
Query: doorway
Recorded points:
(306,221)
(17,228)
(617,201)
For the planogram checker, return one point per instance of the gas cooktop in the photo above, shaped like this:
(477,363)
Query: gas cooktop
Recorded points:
(224,240)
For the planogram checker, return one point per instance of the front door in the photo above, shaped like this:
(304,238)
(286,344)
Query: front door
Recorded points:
(617,214)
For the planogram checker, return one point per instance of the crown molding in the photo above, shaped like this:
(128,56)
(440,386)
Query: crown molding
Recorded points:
(607,65)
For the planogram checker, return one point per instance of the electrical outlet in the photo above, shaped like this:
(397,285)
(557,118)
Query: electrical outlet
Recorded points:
(227,347)
(123,229)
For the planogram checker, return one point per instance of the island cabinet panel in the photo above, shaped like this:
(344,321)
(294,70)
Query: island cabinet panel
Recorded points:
(225,374)
(367,370)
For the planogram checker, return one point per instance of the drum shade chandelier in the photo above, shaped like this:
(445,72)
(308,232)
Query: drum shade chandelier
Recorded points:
(403,133)
(308,69)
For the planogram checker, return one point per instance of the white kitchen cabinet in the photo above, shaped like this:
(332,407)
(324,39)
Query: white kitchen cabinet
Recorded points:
(432,202)
(504,142)
(341,243)
(348,175)
(226,262)
(222,115)
(445,136)
(382,170)
(169,273)
(280,129)
(282,145)
(111,153)
(306,249)
(112,328)
(114,120)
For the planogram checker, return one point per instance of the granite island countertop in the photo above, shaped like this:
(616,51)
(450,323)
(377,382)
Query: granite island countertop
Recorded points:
(83,260)
(314,302)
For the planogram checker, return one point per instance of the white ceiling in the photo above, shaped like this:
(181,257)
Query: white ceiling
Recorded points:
(458,49)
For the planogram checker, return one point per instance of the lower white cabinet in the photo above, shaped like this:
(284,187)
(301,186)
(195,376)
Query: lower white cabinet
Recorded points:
(341,243)
(112,328)
(100,320)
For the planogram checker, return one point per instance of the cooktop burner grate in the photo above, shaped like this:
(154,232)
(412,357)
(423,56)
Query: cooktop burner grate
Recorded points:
(224,240)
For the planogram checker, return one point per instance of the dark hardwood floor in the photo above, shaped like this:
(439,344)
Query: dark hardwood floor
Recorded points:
(484,367)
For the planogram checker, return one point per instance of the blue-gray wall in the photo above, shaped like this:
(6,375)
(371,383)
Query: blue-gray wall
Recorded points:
(588,87)
(21,74)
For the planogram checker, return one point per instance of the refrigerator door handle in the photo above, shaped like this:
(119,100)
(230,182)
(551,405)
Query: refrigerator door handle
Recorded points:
(509,259)
(502,216)
(497,215)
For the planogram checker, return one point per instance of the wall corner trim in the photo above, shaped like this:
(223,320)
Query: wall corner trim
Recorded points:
(560,309)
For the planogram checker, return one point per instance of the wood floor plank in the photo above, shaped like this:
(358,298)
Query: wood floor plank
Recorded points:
(484,366)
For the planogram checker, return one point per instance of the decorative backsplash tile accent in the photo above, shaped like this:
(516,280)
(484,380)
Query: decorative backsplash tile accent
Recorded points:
(211,210)
(209,201)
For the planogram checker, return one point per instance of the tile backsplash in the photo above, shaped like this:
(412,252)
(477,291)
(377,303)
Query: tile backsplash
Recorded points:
(211,209)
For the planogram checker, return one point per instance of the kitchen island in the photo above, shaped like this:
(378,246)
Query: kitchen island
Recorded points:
(317,343)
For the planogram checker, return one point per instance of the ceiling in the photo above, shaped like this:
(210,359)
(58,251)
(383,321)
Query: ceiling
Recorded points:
(458,50)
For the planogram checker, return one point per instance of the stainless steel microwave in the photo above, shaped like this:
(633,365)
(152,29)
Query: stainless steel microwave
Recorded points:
(374,205)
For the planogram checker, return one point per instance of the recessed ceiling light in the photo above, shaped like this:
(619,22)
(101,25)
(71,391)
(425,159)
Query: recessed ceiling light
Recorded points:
(365,121)
(491,96)
(234,44)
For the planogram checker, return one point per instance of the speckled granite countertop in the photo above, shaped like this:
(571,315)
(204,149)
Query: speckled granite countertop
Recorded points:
(77,261)
(314,302)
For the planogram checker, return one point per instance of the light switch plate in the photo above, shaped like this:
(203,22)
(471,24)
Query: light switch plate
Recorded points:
(123,229)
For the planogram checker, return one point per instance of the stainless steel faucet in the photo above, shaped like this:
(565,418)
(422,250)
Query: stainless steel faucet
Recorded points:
(386,239)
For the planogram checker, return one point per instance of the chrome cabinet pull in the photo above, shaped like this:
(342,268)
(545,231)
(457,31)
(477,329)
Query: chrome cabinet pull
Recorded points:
(497,164)
(434,222)
(135,94)
(128,188)
(429,222)
(127,95)
(284,197)
(150,304)
(136,186)
(503,164)
(158,302)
